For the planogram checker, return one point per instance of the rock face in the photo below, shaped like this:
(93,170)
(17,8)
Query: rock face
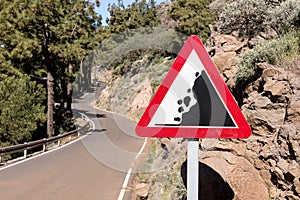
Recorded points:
(225,50)
(264,166)
(142,190)
(272,107)
(267,103)
(267,164)
(141,100)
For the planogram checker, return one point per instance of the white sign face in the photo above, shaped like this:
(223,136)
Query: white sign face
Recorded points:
(192,100)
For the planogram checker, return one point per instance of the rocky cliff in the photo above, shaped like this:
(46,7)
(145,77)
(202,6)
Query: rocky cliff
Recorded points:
(264,166)
(271,105)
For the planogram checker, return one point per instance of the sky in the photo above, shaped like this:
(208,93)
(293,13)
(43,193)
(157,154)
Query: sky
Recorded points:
(104,4)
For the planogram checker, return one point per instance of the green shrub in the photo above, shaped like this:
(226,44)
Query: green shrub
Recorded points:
(244,16)
(250,17)
(273,52)
(21,109)
(154,85)
(193,17)
(283,18)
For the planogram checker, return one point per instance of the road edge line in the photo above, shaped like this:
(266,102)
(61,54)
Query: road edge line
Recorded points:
(129,172)
(41,154)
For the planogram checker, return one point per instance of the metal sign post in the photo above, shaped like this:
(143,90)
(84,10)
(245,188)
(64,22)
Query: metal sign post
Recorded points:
(192,169)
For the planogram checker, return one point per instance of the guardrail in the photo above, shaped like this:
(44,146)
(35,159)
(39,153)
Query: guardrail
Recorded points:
(43,142)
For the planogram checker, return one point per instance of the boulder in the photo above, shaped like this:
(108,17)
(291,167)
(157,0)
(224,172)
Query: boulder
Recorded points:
(256,40)
(287,131)
(240,174)
(293,108)
(294,149)
(297,185)
(211,184)
(257,101)
(265,121)
(277,88)
(295,82)
(229,74)
(224,61)
(269,71)
(283,164)
(142,190)
(228,43)
(252,88)
(293,169)
(263,115)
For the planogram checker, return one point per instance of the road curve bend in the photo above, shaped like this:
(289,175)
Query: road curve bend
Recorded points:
(93,168)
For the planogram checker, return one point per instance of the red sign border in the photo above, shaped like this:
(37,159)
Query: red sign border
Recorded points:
(242,131)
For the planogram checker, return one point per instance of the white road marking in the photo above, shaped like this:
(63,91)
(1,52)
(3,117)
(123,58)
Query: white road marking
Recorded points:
(46,152)
(126,181)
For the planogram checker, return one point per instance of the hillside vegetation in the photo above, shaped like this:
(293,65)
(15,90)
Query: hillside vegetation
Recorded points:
(52,50)
(247,43)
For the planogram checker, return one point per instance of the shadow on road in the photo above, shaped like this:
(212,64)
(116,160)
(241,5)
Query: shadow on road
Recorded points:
(99,130)
(100,115)
(89,114)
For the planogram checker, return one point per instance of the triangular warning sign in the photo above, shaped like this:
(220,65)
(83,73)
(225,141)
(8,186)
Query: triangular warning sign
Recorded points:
(193,101)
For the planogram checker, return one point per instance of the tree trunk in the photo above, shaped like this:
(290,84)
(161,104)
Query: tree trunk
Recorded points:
(69,89)
(50,103)
(63,87)
(50,82)
(89,75)
(85,77)
(82,78)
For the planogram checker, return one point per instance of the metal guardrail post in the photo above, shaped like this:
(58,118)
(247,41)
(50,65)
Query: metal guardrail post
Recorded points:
(44,145)
(43,142)
(25,151)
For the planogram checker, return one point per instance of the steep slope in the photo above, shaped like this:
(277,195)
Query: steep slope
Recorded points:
(264,166)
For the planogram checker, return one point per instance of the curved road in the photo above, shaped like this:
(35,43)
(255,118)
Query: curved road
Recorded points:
(92,168)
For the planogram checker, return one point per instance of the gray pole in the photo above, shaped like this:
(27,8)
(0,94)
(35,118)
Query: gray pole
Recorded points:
(192,169)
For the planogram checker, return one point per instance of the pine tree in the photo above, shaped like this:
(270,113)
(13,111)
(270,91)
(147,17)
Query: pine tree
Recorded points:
(136,15)
(193,17)
(49,39)
(21,109)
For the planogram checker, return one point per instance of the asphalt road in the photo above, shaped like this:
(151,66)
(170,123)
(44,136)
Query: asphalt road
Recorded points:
(92,168)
